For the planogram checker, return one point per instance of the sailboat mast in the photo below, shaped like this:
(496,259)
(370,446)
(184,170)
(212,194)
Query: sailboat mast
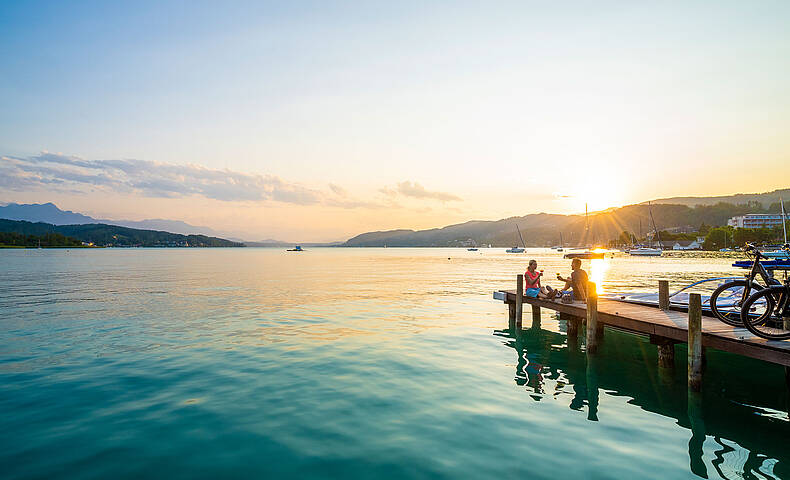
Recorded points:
(784,227)
(649,209)
(522,238)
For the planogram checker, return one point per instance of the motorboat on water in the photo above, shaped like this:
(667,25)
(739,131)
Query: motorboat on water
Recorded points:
(585,255)
(646,252)
(679,300)
(471,249)
(297,248)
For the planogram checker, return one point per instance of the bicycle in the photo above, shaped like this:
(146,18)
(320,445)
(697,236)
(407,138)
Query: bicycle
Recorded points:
(766,313)
(725,302)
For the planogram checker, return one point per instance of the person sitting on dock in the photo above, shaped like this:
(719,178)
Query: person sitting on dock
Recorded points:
(577,282)
(532,281)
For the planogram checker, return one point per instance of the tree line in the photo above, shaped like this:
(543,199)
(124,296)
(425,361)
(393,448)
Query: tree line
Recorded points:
(12,239)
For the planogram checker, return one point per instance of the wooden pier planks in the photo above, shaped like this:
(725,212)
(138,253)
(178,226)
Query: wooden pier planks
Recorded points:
(672,325)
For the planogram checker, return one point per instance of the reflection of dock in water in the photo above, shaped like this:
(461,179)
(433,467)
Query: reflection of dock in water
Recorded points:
(735,406)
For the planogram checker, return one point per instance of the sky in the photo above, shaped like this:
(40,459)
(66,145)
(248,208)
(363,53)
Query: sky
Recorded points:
(316,121)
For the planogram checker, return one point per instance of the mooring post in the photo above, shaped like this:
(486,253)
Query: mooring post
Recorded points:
(573,328)
(511,316)
(663,294)
(666,351)
(593,334)
(519,300)
(535,316)
(695,343)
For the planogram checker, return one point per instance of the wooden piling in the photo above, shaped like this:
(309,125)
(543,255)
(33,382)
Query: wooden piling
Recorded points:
(593,333)
(519,300)
(573,327)
(695,342)
(511,316)
(535,316)
(666,351)
(663,294)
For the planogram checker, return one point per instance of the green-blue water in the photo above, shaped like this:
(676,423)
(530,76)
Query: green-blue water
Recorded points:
(352,363)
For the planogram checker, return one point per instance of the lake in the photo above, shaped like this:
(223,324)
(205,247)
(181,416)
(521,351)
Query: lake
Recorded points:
(354,363)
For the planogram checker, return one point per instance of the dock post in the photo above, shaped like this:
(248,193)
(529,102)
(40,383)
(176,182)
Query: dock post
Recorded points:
(535,316)
(593,334)
(666,351)
(511,316)
(519,300)
(695,343)
(663,294)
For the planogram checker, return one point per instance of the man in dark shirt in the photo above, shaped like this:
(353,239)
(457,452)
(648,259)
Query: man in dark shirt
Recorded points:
(577,281)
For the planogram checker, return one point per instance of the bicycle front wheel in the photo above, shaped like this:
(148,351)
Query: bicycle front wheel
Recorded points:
(725,301)
(759,316)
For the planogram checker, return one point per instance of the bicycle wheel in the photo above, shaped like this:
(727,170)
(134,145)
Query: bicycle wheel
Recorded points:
(725,301)
(762,304)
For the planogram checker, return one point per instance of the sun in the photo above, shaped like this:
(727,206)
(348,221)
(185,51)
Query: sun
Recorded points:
(599,191)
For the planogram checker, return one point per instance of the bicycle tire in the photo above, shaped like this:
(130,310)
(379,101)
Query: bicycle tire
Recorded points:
(733,315)
(771,328)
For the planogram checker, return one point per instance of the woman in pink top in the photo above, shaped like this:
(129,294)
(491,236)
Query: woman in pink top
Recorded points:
(532,283)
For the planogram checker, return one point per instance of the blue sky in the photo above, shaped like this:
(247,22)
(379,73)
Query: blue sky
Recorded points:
(491,109)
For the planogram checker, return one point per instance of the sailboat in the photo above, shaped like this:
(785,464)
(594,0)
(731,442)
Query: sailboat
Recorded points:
(643,251)
(559,247)
(780,253)
(517,249)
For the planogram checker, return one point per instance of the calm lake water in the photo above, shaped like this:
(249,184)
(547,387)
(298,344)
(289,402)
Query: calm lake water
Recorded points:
(353,363)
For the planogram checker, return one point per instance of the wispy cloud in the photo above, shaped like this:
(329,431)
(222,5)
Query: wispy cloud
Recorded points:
(415,190)
(154,179)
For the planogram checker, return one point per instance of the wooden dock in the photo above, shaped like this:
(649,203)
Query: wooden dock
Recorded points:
(664,327)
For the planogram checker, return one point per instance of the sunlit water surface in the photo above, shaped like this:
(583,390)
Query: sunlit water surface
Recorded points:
(343,363)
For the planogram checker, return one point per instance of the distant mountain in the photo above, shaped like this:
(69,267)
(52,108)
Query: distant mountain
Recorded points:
(113,235)
(766,199)
(542,229)
(50,213)
(43,212)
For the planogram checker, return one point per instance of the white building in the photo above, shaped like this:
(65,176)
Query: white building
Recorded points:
(756,220)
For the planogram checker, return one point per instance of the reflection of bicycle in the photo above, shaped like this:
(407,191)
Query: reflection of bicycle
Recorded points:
(727,300)
(766,313)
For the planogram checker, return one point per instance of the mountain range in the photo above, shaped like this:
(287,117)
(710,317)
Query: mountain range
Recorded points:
(100,234)
(685,214)
(543,229)
(50,213)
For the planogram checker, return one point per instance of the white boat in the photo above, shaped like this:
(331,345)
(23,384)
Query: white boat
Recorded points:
(646,252)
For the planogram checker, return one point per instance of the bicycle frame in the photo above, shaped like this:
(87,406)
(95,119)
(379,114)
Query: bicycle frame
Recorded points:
(757,269)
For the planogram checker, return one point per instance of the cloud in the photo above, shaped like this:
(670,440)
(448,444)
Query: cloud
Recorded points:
(416,190)
(338,190)
(152,179)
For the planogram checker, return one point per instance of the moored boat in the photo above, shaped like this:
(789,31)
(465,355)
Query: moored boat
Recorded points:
(646,252)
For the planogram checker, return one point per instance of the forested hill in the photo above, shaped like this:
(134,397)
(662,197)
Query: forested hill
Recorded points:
(115,236)
(542,229)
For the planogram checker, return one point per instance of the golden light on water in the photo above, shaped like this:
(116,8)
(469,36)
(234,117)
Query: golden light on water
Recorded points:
(598,268)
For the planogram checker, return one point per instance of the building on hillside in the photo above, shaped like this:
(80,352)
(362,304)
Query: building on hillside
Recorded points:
(756,220)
